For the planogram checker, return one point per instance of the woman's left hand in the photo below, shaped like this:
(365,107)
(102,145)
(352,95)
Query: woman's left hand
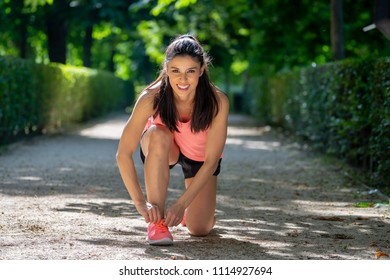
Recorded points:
(174,215)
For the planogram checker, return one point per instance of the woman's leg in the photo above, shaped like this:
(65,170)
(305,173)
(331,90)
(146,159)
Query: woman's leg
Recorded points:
(160,151)
(200,216)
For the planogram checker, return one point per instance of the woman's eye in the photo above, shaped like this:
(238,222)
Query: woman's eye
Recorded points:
(191,72)
(175,71)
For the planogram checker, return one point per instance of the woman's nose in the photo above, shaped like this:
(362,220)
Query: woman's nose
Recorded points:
(183,76)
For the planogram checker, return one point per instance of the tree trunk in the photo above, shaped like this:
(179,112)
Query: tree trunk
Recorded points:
(57,31)
(147,66)
(23,37)
(56,39)
(111,62)
(22,34)
(337,29)
(87,47)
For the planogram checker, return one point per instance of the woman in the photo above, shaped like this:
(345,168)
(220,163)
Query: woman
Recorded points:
(181,118)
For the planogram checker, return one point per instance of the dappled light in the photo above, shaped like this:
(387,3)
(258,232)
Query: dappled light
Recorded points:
(274,201)
(107,130)
(62,78)
(255,145)
(29,178)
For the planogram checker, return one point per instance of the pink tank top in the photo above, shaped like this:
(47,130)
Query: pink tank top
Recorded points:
(192,145)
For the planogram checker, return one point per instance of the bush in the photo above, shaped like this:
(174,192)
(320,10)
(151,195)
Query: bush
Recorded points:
(37,98)
(343,109)
(19,109)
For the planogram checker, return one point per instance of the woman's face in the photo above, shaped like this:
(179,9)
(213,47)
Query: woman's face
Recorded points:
(184,73)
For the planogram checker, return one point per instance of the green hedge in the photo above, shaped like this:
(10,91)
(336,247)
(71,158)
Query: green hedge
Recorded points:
(342,108)
(37,98)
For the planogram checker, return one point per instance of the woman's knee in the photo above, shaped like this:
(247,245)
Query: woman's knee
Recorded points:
(160,139)
(200,229)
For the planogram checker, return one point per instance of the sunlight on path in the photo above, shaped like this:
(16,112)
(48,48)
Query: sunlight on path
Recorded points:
(62,197)
(110,129)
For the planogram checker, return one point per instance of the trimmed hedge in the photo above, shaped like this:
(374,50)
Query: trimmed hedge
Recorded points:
(342,108)
(37,98)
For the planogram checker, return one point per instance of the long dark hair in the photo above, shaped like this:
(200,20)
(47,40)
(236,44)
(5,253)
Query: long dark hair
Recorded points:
(206,102)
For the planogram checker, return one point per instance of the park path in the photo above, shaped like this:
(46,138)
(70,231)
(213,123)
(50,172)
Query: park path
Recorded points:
(61,197)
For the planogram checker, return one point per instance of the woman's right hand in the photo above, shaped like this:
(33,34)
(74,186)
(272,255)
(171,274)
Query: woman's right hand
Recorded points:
(150,212)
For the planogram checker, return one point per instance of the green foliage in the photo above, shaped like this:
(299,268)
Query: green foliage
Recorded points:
(129,37)
(150,31)
(342,108)
(36,98)
(35,3)
(18,112)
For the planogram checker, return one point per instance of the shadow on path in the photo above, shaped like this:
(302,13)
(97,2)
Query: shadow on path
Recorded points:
(63,198)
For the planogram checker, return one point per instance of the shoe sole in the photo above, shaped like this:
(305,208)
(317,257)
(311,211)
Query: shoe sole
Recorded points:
(160,242)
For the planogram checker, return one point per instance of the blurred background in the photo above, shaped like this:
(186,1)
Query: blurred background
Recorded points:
(244,37)
(317,69)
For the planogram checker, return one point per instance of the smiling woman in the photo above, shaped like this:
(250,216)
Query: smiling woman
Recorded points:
(183,73)
(181,118)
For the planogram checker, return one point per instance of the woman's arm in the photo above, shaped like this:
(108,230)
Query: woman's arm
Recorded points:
(127,146)
(214,147)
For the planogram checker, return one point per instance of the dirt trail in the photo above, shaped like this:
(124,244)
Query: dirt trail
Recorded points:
(61,197)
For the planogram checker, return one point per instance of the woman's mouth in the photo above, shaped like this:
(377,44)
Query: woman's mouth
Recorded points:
(181,87)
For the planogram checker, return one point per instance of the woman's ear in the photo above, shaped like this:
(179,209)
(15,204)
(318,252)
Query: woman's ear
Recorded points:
(202,69)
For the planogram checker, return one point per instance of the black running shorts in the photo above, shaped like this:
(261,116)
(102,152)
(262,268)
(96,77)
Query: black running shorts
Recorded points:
(190,167)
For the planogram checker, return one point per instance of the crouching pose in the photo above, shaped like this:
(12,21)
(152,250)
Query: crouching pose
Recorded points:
(180,118)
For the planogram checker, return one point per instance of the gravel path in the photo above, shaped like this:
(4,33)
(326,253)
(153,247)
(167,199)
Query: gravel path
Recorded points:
(61,197)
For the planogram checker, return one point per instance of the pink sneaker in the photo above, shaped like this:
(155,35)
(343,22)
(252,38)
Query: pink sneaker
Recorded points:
(158,234)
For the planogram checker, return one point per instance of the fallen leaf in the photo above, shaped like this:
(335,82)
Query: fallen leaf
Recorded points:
(342,236)
(36,228)
(331,218)
(380,254)
(293,233)
(364,204)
